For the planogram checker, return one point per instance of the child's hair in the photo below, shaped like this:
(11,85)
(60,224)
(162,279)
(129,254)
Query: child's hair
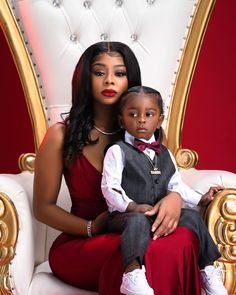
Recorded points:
(146,90)
(141,89)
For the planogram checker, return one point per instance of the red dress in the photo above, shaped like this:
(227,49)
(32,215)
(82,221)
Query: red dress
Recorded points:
(96,263)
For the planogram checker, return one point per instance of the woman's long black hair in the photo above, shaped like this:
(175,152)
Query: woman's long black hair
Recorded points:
(79,122)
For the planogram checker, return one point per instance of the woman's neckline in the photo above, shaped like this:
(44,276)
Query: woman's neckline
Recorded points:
(87,160)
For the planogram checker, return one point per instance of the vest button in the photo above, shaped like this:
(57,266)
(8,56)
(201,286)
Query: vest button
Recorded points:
(156,181)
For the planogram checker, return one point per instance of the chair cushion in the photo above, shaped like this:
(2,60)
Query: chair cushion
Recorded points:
(45,283)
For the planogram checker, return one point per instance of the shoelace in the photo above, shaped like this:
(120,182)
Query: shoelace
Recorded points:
(134,277)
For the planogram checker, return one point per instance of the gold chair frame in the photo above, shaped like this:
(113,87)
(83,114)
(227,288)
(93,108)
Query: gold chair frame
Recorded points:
(220,216)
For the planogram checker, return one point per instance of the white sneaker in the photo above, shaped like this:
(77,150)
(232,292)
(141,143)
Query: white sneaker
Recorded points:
(212,281)
(135,283)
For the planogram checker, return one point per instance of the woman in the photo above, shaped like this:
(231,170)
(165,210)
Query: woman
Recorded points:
(84,255)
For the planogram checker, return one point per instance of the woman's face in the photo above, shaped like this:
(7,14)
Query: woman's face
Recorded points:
(108,78)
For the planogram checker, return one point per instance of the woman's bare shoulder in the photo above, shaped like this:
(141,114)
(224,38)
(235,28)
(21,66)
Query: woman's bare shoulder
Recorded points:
(55,135)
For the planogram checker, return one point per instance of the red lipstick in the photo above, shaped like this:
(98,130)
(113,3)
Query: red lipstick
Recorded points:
(109,92)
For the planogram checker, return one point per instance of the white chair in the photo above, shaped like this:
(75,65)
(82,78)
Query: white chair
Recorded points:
(47,37)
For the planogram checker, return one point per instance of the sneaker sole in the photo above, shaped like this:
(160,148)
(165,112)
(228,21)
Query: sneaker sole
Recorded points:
(123,291)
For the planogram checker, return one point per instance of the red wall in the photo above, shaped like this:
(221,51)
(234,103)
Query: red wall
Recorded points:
(209,124)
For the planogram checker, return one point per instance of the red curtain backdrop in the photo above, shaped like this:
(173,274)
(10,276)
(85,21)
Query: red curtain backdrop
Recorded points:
(209,126)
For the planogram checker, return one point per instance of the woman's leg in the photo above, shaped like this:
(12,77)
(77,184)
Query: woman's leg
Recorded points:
(88,263)
(172,264)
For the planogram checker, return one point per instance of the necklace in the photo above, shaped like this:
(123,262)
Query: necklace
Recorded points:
(107,133)
(155,170)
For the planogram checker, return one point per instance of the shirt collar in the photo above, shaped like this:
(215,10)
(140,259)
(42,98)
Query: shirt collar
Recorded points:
(130,138)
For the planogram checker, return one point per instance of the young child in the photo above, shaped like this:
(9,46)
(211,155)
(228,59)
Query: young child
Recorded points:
(137,173)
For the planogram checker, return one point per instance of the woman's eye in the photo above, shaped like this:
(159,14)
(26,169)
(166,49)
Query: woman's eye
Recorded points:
(120,74)
(98,73)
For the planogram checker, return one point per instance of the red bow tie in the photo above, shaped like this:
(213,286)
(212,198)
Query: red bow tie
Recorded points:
(141,146)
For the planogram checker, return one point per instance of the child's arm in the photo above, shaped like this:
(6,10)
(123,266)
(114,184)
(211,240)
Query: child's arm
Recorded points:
(190,197)
(113,166)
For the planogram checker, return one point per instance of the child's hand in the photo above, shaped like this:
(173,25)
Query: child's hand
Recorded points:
(140,208)
(166,213)
(209,196)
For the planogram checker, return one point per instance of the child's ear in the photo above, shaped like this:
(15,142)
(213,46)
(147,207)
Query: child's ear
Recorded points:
(120,121)
(160,121)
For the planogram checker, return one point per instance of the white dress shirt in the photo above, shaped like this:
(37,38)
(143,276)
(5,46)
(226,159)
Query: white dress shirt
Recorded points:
(114,161)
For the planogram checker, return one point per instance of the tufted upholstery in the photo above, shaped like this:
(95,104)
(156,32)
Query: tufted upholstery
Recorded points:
(58,31)
(54,34)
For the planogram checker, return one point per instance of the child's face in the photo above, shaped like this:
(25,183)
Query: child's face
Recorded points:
(141,115)
(108,78)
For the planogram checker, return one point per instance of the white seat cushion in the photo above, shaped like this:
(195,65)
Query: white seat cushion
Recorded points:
(45,283)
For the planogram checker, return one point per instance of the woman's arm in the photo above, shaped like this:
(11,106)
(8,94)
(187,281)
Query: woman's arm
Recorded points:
(47,183)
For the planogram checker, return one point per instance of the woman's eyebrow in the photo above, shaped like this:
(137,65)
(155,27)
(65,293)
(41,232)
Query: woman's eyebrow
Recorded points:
(103,65)
(98,64)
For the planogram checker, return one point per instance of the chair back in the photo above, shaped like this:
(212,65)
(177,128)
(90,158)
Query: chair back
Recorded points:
(48,37)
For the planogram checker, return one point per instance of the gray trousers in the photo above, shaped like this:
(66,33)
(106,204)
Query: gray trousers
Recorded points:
(136,234)
(135,229)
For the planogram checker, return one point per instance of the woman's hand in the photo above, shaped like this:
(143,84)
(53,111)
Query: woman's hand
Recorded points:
(99,225)
(140,208)
(168,211)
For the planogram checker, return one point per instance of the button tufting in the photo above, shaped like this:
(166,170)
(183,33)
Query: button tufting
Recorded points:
(73,37)
(56,3)
(87,4)
(104,36)
(150,2)
(134,37)
(119,2)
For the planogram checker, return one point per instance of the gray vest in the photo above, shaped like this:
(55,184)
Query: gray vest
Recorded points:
(137,181)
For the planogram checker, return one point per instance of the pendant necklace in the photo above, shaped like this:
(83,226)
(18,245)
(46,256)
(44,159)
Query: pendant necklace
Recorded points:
(155,170)
(106,133)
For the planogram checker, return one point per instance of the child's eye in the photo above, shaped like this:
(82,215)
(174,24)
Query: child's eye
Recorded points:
(120,74)
(149,114)
(133,114)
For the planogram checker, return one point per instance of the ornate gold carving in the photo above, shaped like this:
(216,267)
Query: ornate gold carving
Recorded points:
(26,71)
(221,221)
(186,158)
(9,228)
(26,162)
(185,73)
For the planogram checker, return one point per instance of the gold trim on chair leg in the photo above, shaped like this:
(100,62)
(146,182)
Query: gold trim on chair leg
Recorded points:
(9,227)
(221,221)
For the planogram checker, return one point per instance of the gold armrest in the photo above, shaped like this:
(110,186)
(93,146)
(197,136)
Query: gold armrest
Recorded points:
(9,227)
(220,218)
